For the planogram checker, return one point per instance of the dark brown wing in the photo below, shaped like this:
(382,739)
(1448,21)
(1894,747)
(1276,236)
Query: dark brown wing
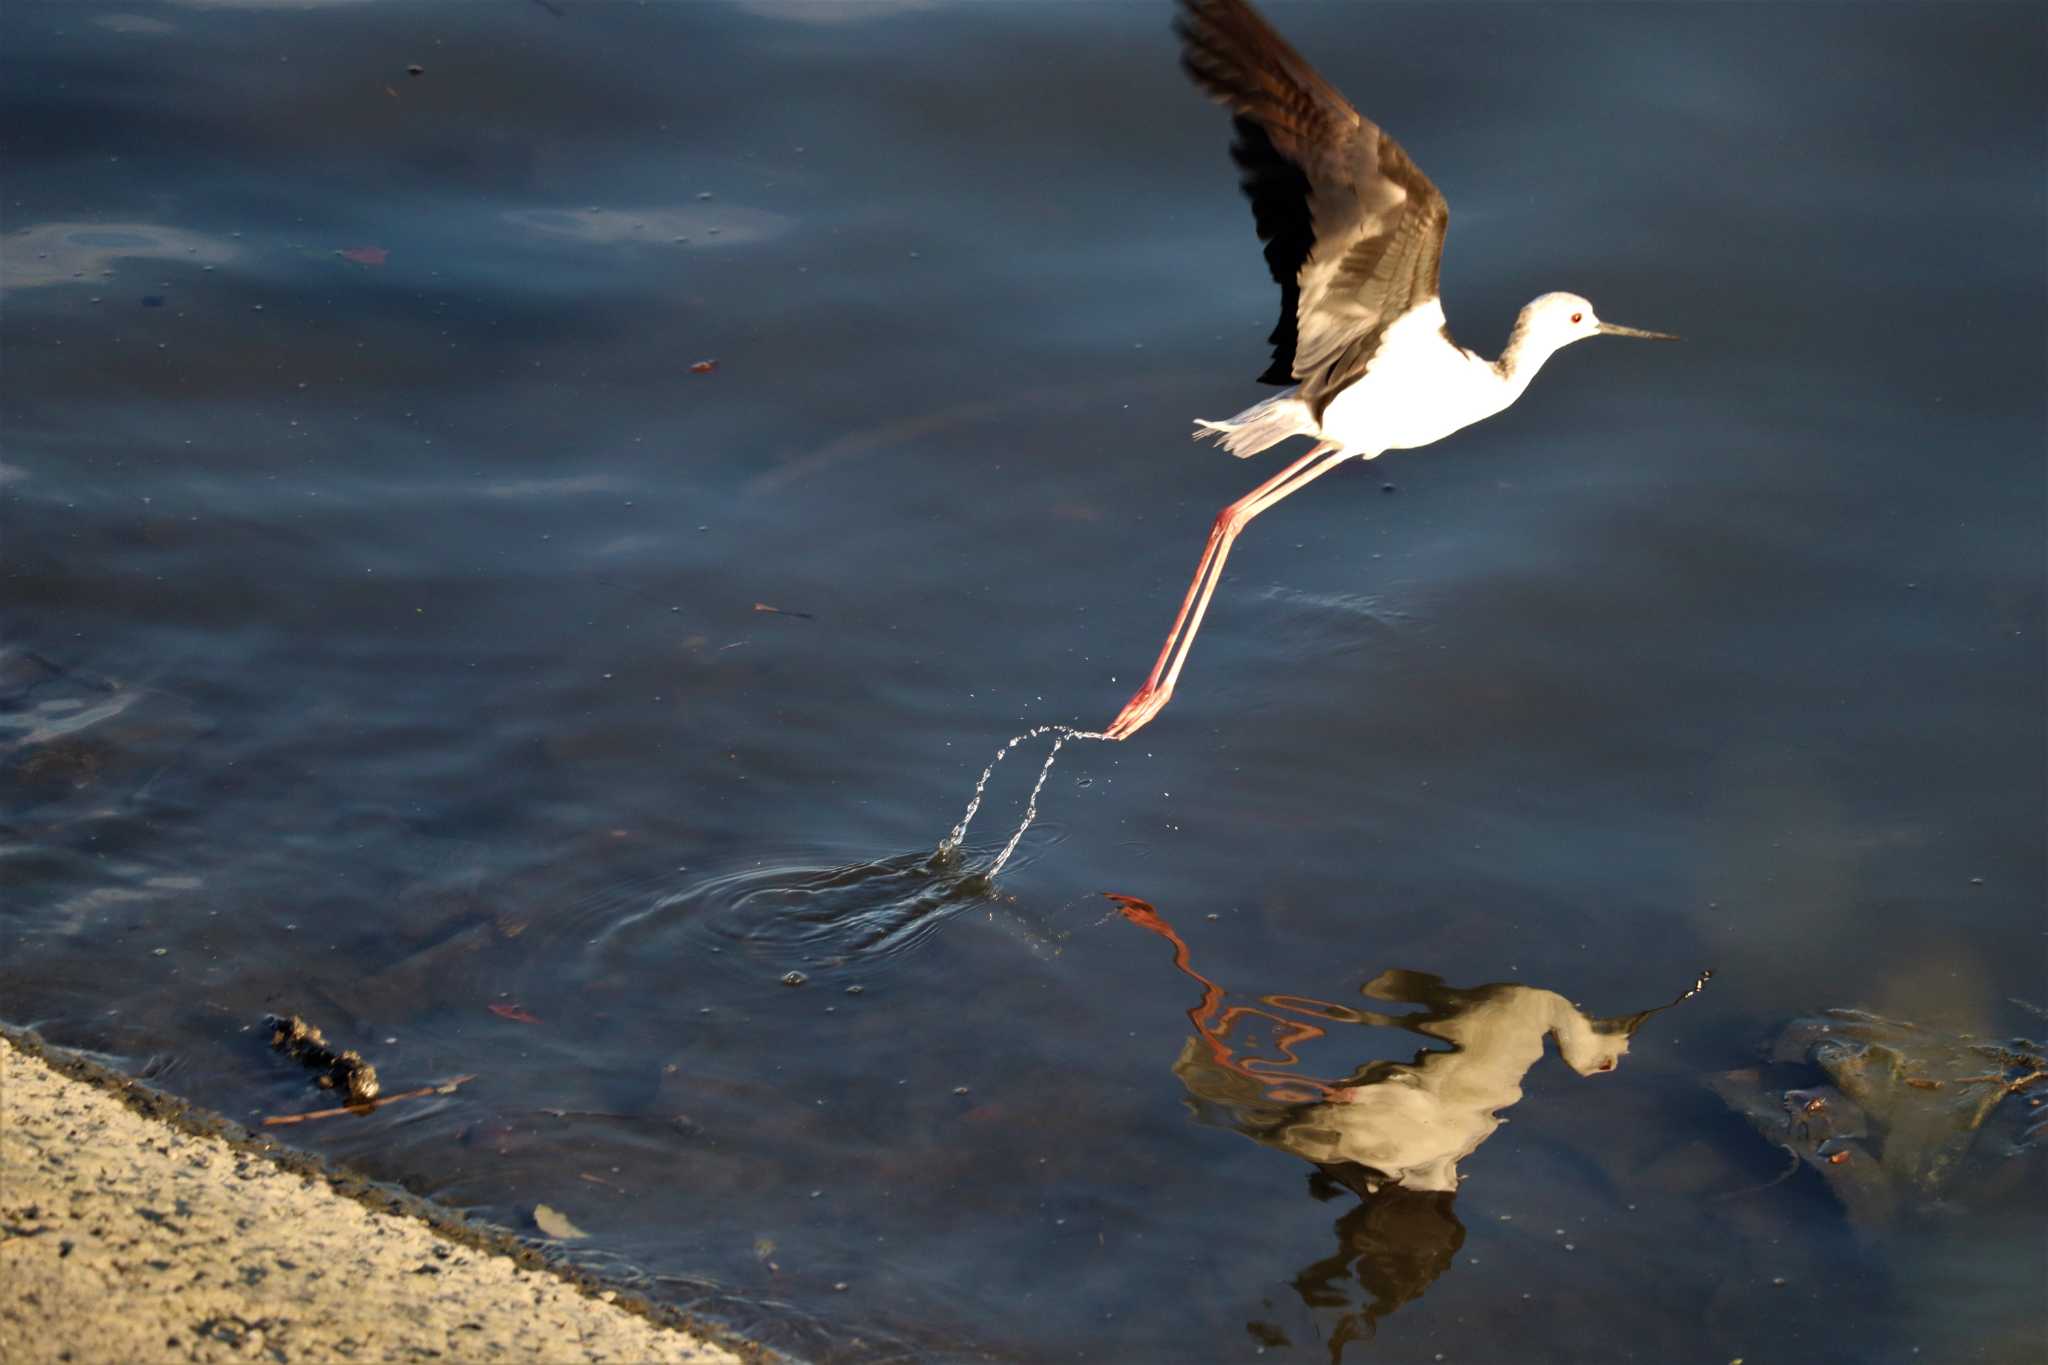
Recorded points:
(1353,229)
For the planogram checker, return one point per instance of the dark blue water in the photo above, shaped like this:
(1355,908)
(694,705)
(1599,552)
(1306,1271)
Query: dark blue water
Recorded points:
(381,642)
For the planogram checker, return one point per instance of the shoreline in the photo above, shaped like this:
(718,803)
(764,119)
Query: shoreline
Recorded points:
(136,1226)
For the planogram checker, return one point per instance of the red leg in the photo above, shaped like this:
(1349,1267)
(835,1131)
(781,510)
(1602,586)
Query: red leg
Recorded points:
(1150,699)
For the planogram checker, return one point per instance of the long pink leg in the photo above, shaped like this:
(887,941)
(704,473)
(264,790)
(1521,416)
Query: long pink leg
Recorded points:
(1209,553)
(1150,699)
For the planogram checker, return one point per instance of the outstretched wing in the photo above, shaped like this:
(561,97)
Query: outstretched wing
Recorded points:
(1353,229)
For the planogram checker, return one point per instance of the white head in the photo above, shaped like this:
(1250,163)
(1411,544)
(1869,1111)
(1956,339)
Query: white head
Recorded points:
(1557,320)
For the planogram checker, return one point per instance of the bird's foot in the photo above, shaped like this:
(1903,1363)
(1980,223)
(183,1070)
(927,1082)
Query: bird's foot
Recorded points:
(1147,703)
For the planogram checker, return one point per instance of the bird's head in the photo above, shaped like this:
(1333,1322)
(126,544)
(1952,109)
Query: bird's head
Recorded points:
(1557,320)
(1591,1046)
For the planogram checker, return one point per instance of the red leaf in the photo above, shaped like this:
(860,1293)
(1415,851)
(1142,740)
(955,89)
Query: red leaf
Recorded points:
(514,1013)
(704,367)
(365,255)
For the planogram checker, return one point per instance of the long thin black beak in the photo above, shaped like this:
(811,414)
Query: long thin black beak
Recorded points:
(1615,329)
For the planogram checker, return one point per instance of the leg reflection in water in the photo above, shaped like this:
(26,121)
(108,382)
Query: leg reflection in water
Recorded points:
(1392,1244)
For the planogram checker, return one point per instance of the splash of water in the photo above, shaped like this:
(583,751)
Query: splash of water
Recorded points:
(951,842)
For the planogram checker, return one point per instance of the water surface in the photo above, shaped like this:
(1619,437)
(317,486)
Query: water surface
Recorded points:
(393,468)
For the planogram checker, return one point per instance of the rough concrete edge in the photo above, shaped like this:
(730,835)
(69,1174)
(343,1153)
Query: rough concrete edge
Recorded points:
(376,1195)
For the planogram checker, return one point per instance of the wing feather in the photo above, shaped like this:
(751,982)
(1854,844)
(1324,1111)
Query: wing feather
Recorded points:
(1353,228)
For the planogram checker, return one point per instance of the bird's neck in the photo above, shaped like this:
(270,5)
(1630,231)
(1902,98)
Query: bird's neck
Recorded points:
(1523,356)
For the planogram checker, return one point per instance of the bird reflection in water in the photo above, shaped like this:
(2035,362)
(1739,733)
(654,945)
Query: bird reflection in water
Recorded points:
(1390,1132)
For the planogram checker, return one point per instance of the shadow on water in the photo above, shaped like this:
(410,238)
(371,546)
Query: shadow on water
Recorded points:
(1391,1132)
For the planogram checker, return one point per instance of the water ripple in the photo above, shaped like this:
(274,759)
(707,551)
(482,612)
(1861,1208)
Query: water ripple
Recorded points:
(791,911)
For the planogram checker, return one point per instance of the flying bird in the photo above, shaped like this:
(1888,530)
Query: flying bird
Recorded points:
(1354,235)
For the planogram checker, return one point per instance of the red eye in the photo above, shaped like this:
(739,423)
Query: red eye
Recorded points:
(1578,317)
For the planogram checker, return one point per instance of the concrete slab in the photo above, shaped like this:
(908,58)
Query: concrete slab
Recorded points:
(133,1228)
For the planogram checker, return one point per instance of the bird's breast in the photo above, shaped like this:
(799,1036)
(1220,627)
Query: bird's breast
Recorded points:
(1414,395)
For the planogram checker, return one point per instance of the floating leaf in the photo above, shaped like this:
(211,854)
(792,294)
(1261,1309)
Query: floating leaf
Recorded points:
(556,1224)
(514,1013)
(704,367)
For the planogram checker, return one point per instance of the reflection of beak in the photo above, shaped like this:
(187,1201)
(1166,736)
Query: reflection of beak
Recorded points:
(1629,1023)
(1615,329)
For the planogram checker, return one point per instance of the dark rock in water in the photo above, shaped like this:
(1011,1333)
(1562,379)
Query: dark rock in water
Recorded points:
(1893,1115)
(343,1071)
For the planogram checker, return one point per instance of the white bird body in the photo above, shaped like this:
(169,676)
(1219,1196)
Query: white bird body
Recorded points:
(1421,387)
(1424,387)
(1354,237)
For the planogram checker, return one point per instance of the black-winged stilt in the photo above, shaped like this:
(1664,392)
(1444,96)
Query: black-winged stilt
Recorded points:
(1354,233)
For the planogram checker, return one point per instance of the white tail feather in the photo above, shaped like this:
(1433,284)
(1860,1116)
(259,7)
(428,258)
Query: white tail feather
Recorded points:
(1260,425)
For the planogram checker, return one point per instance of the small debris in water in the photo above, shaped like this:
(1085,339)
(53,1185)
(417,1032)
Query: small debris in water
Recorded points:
(855,989)
(415,70)
(556,1224)
(959,1089)
(839,1286)
(343,1071)
(704,367)
(794,978)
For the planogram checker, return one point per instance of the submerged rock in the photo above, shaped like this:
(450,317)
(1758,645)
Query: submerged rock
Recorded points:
(1895,1116)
